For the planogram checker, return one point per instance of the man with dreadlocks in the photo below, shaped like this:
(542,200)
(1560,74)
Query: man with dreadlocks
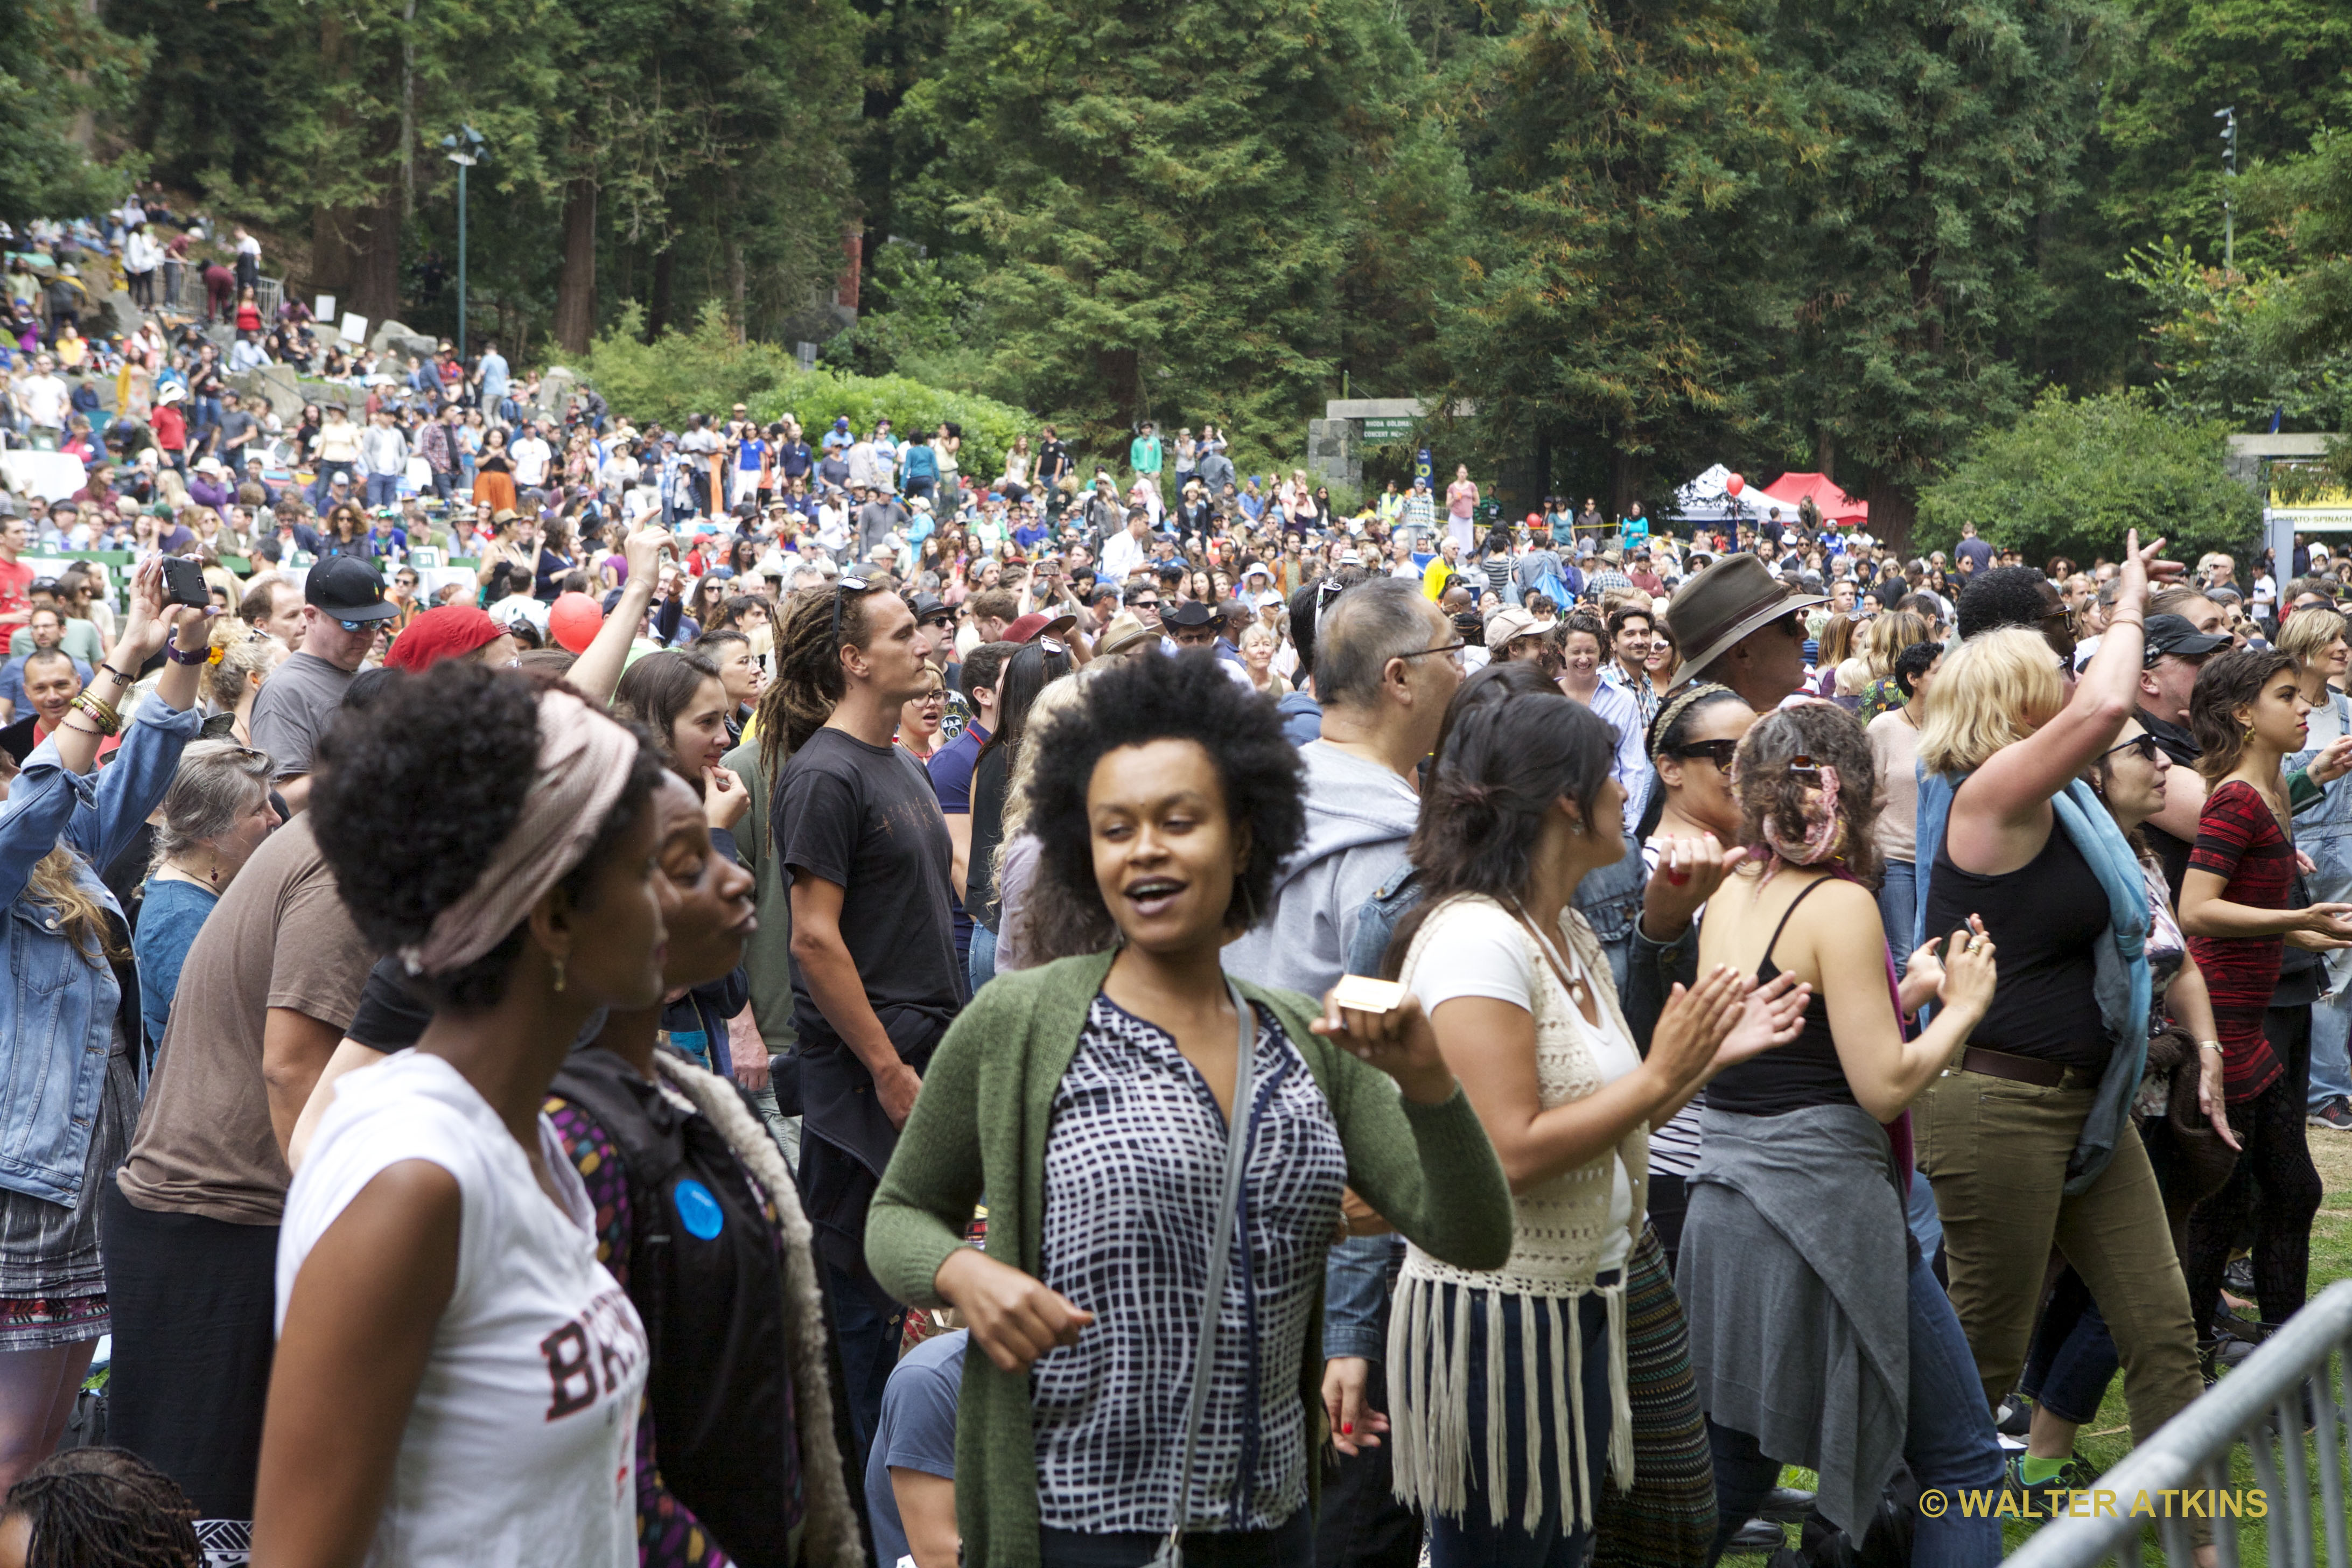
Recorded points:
(97,1507)
(875,980)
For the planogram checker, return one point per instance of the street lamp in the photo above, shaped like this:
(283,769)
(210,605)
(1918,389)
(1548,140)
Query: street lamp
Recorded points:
(2228,118)
(465,151)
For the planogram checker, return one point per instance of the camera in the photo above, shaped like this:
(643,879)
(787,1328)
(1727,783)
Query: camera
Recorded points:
(184,582)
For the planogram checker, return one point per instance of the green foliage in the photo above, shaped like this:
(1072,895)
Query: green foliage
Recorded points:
(1951,130)
(1621,274)
(2223,353)
(700,371)
(1157,193)
(917,317)
(707,369)
(54,64)
(2071,475)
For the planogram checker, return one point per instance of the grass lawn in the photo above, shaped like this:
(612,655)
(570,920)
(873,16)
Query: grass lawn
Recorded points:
(2106,1440)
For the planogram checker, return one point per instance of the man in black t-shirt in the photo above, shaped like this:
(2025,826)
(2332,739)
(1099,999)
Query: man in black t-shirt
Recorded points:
(875,977)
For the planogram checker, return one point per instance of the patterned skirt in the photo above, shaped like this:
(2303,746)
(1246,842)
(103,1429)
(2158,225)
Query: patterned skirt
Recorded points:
(1667,1520)
(52,1277)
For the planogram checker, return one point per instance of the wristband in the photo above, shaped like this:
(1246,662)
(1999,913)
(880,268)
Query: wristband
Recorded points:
(101,713)
(104,667)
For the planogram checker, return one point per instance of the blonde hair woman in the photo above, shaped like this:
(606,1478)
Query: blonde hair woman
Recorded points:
(1030,933)
(2029,1140)
(1259,645)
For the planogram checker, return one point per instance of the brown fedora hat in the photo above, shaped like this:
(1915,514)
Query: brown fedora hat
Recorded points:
(1724,603)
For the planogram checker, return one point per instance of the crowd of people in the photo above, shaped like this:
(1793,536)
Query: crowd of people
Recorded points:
(698,997)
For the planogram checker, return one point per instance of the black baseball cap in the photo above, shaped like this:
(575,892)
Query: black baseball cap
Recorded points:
(928,606)
(348,588)
(2179,636)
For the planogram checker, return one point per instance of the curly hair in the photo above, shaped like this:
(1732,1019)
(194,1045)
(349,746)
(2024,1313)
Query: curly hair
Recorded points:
(1778,804)
(1508,755)
(415,796)
(2225,683)
(104,1508)
(1185,698)
(2003,596)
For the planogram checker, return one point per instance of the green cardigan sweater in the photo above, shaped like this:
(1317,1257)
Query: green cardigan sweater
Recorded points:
(980,1127)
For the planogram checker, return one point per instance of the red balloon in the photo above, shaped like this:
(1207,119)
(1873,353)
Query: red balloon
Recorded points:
(575,619)
(1734,485)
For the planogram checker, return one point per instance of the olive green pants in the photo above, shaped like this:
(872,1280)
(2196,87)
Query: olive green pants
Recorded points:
(1995,1152)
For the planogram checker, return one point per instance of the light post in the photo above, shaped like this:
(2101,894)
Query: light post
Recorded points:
(464,150)
(2228,118)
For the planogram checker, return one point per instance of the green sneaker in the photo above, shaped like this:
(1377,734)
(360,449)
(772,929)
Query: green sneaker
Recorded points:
(2047,1498)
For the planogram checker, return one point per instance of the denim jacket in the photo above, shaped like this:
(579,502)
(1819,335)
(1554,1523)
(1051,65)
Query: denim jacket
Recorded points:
(58,1024)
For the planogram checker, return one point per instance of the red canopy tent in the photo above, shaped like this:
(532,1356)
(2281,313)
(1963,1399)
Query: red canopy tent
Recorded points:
(1835,505)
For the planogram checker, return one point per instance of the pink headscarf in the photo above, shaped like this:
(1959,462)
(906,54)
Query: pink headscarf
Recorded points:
(583,764)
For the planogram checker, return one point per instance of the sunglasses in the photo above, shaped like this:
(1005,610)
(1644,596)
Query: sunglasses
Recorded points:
(842,590)
(2143,743)
(1143,604)
(1719,752)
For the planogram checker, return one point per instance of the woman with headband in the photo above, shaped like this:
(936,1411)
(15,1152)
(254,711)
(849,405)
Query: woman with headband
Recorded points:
(1795,1224)
(458,1378)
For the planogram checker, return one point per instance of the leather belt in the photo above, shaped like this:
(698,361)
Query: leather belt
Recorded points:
(2015,1069)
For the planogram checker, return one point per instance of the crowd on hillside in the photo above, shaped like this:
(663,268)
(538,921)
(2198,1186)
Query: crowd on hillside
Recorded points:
(592,994)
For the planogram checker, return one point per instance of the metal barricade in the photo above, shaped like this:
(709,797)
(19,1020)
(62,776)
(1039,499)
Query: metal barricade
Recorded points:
(2299,1371)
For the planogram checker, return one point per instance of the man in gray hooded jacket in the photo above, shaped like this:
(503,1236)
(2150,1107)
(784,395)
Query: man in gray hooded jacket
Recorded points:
(1386,663)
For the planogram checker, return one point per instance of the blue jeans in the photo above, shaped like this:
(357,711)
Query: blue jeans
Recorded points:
(980,965)
(1898,909)
(383,489)
(2331,1063)
(1949,1443)
(1474,1541)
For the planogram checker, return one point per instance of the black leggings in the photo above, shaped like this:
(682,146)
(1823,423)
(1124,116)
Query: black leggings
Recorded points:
(2276,1160)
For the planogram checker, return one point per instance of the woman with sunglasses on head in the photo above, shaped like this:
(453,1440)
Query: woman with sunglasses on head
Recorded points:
(1038,663)
(1691,747)
(2241,900)
(2182,1120)
(74,1075)
(241,660)
(2029,1142)
(1796,1225)
(1154,1138)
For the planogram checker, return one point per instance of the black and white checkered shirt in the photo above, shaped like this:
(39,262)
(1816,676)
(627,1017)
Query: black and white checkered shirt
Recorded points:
(1134,1171)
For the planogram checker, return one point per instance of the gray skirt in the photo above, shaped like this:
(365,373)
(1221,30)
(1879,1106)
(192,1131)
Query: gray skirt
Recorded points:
(52,1277)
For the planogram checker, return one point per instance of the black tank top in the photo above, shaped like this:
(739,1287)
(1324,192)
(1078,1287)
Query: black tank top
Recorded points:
(1803,1073)
(2045,918)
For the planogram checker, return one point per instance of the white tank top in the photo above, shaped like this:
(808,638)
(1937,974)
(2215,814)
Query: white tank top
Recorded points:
(520,1446)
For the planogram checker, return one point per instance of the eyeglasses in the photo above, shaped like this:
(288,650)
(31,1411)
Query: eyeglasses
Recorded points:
(2143,744)
(1453,649)
(1143,604)
(1719,752)
(842,590)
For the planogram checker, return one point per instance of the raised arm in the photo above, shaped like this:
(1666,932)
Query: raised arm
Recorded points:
(597,671)
(2013,787)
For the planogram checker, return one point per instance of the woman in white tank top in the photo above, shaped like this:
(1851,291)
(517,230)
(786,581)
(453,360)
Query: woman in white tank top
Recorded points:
(458,1378)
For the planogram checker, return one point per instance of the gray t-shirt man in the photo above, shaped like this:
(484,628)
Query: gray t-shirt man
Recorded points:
(296,705)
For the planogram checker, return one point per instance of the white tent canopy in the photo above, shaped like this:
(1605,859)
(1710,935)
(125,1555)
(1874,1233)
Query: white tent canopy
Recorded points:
(1705,500)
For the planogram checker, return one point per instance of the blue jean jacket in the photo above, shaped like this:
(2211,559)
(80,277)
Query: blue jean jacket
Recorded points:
(60,1003)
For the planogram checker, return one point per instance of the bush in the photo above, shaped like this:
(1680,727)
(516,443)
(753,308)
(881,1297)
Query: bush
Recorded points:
(705,371)
(2071,475)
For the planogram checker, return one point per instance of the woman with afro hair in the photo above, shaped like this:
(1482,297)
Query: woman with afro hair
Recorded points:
(1091,1098)
(458,1377)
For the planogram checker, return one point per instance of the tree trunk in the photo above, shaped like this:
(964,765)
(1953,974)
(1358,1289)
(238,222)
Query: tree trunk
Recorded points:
(1892,509)
(657,310)
(1825,452)
(375,272)
(735,286)
(575,292)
